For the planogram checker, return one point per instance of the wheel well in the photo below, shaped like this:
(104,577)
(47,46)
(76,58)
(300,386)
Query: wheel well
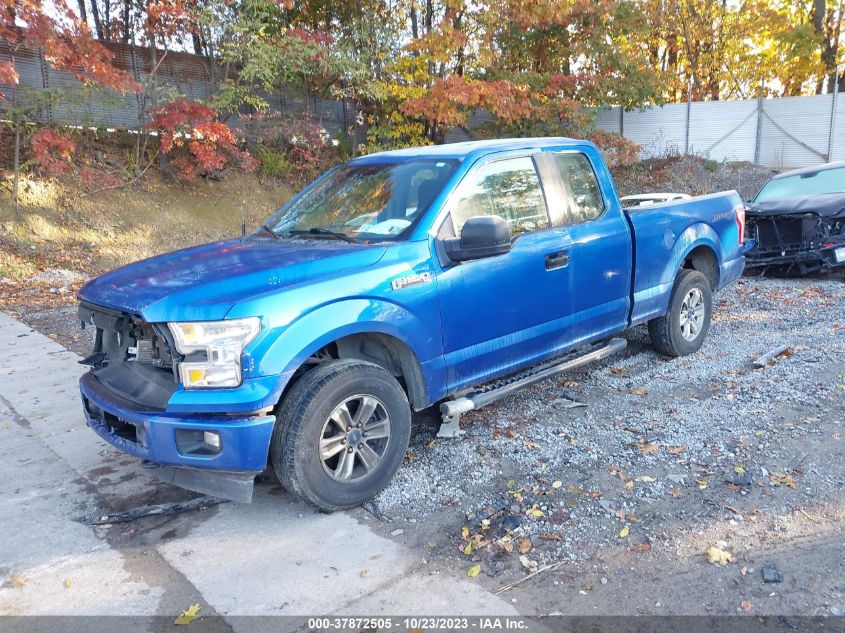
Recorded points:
(703,259)
(381,349)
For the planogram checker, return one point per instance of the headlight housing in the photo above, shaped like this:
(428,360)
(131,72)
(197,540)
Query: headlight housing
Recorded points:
(222,342)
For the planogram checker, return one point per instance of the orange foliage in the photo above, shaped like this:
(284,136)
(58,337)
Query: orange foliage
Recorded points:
(65,40)
(208,143)
(53,151)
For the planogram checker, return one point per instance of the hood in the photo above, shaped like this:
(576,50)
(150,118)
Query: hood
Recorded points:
(826,205)
(204,282)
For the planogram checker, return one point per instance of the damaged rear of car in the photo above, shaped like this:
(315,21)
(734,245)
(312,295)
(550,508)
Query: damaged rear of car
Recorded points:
(798,221)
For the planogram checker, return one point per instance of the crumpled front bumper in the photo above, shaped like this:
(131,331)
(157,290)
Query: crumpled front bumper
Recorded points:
(813,259)
(159,437)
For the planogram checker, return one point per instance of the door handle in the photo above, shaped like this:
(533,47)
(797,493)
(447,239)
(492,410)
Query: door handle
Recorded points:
(557,260)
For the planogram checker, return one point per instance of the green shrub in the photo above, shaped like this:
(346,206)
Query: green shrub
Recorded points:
(274,163)
(711,165)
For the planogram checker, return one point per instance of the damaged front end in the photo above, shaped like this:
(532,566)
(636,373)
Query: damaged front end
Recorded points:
(131,357)
(125,396)
(797,237)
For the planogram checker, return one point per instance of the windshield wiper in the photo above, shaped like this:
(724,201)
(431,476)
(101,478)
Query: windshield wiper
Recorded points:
(266,228)
(319,230)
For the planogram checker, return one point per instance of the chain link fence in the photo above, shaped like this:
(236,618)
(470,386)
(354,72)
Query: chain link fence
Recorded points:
(177,74)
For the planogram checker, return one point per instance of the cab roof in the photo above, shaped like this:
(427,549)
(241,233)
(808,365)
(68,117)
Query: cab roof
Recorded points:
(464,149)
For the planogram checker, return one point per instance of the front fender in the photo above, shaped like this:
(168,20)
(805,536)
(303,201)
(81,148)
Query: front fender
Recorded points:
(316,329)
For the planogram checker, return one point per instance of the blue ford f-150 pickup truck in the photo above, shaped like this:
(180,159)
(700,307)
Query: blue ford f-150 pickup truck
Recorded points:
(452,274)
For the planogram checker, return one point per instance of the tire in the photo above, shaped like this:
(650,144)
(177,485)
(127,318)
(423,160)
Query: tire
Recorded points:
(668,336)
(311,420)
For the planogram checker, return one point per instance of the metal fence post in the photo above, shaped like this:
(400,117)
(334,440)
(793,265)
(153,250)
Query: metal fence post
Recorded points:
(758,139)
(45,82)
(832,138)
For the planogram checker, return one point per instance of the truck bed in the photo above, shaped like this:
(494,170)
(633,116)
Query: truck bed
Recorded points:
(663,234)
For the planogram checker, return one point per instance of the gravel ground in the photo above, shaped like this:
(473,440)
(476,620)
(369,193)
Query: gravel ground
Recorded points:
(690,174)
(668,458)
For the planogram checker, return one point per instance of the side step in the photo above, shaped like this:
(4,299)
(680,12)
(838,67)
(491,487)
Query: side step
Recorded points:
(451,410)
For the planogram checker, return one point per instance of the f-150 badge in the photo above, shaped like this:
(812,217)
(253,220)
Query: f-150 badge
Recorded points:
(411,280)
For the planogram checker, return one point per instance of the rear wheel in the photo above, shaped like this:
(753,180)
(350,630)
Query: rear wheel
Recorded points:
(341,434)
(684,327)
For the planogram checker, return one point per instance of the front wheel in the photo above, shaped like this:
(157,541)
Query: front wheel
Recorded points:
(342,433)
(684,327)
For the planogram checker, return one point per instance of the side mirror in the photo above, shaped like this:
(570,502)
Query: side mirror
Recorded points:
(481,236)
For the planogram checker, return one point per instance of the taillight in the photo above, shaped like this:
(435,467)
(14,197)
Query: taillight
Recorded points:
(740,223)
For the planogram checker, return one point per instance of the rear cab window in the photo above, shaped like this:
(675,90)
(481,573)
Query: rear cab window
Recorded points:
(580,186)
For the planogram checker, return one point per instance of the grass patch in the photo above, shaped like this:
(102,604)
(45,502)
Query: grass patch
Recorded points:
(57,226)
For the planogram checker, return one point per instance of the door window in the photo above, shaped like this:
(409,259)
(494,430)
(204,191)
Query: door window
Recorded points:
(585,200)
(509,188)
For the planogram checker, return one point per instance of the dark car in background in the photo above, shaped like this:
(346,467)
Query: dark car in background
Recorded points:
(798,221)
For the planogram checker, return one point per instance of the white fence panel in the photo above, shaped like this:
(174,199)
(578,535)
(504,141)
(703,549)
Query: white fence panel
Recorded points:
(723,130)
(793,131)
(838,149)
(806,120)
(659,131)
(608,120)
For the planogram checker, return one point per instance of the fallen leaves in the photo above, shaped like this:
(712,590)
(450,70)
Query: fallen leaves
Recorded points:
(718,556)
(524,545)
(473,571)
(623,532)
(188,615)
(527,563)
(778,479)
(642,548)
(68,583)
(745,605)
(648,448)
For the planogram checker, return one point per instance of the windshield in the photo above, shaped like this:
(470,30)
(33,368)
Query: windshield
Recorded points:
(826,181)
(366,202)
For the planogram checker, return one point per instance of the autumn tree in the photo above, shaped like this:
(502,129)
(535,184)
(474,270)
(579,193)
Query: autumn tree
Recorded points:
(537,68)
(66,44)
(827,17)
(724,50)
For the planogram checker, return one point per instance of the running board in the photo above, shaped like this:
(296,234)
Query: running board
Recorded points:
(451,410)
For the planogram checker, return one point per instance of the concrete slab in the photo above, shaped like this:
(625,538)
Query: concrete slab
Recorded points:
(45,549)
(276,556)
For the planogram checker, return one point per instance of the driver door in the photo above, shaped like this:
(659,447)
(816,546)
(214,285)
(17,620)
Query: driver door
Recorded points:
(508,311)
